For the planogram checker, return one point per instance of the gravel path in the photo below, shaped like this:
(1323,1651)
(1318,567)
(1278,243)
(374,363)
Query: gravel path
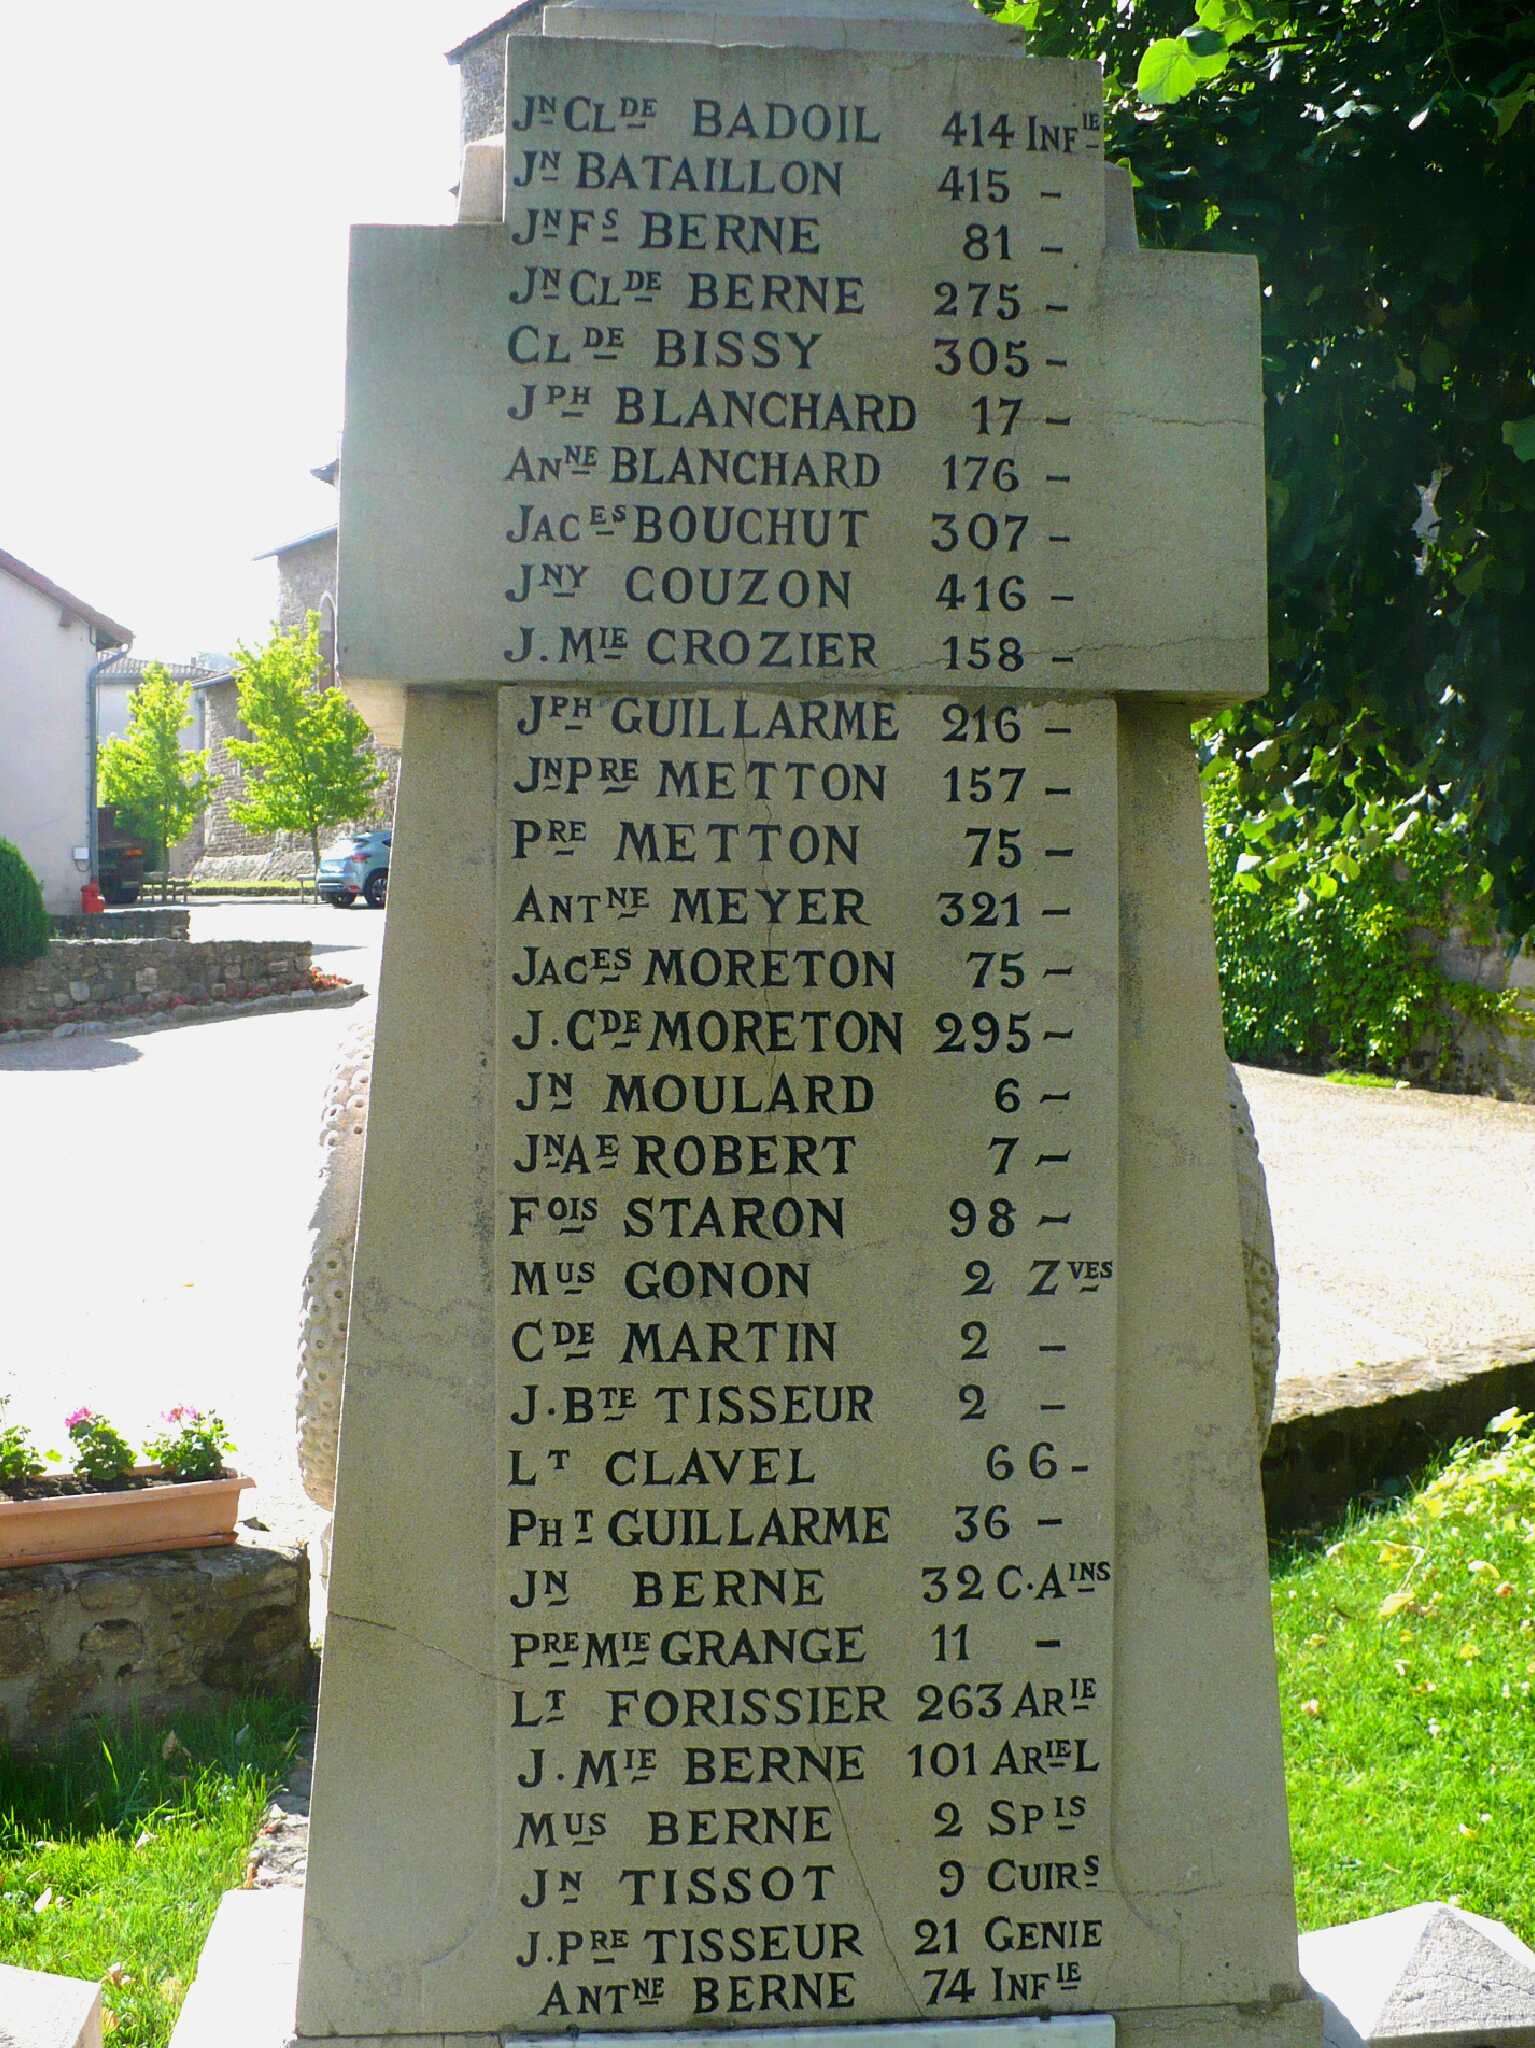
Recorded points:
(1404,1221)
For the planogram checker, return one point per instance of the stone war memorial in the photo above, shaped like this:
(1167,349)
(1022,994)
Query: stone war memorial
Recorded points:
(798,1559)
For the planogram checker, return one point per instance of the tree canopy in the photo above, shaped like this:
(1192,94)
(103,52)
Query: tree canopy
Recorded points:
(154,784)
(308,763)
(1378,158)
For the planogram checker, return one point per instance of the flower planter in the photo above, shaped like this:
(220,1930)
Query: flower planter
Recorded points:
(74,1527)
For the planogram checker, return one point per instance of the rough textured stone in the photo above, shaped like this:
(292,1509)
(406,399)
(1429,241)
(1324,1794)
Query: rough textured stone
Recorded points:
(328,1278)
(155,1635)
(129,977)
(1260,1270)
(1426,1975)
(22,1645)
(143,921)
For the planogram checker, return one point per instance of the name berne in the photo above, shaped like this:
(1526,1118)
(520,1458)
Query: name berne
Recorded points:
(777,412)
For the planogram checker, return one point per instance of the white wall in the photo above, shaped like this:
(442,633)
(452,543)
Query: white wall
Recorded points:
(43,732)
(113,705)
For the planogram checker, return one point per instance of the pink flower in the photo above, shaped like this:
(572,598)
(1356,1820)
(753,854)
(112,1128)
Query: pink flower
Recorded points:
(183,1414)
(80,1415)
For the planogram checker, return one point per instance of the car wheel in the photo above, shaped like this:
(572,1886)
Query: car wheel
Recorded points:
(341,902)
(377,888)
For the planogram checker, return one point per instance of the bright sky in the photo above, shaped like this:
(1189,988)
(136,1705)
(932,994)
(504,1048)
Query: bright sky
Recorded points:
(176,182)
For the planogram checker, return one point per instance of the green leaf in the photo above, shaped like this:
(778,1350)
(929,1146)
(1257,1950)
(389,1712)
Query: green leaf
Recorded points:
(1520,436)
(1231,19)
(1510,107)
(1204,42)
(1167,72)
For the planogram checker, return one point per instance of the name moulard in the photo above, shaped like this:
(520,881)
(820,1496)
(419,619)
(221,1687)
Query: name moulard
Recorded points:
(780,370)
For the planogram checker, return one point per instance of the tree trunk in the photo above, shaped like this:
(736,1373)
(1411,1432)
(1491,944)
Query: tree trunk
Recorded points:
(314,879)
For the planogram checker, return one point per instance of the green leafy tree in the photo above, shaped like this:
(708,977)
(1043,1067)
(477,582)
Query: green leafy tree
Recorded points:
(25,929)
(1378,158)
(309,764)
(154,784)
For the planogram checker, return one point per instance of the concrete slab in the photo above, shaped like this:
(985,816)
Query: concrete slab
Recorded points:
(38,2010)
(1428,1974)
(247,1978)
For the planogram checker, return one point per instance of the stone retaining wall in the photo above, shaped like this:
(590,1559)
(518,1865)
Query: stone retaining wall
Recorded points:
(1363,1432)
(85,980)
(179,1632)
(148,921)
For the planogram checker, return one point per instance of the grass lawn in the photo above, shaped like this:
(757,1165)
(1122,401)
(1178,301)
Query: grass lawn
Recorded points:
(1406,1657)
(112,1862)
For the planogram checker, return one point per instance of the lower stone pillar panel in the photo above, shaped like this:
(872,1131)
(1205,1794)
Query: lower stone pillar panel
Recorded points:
(1295,2023)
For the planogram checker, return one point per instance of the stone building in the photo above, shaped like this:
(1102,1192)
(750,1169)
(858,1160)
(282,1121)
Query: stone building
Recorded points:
(306,582)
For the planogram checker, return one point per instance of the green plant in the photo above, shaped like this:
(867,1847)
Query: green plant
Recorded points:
(194,1449)
(114,1854)
(18,1455)
(102,1457)
(1406,1660)
(154,784)
(309,762)
(24,927)
(1377,160)
(1321,972)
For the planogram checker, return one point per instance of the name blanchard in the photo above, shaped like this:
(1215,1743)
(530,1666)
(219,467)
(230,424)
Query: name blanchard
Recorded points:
(776,412)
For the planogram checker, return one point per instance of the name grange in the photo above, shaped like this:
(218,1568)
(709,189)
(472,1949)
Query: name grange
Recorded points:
(798,1215)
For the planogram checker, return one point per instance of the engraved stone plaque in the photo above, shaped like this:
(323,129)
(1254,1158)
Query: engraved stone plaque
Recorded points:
(806,1177)
(787,368)
(796,1563)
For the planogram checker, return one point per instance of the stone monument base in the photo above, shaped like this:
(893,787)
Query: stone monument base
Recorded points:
(248,1977)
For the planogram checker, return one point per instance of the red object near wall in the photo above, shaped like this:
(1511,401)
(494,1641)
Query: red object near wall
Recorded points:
(91,898)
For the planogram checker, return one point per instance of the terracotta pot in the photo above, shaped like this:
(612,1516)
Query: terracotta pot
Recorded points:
(76,1526)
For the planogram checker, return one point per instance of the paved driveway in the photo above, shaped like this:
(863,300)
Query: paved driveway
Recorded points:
(153,1210)
(1404,1221)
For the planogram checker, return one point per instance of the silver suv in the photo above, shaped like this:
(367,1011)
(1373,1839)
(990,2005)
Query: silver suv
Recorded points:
(355,867)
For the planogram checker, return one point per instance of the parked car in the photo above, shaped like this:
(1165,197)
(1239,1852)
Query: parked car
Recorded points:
(121,858)
(355,867)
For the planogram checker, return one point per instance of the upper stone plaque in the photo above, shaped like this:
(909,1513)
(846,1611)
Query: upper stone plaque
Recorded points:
(791,369)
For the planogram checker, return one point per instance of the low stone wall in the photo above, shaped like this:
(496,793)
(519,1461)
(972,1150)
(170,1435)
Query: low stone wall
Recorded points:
(1500,1062)
(1365,1430)
(148,921)
(87,980)
(292,864)
(178,1632)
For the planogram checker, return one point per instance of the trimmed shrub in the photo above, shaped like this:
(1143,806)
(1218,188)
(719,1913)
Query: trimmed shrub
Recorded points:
(24,927)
